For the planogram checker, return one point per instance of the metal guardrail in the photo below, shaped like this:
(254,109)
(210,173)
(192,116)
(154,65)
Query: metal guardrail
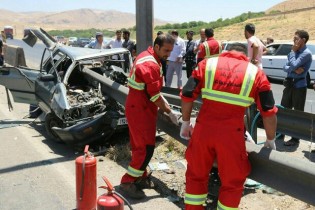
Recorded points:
(293,176)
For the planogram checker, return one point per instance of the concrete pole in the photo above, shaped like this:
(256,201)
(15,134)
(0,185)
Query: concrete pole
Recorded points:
(144,24)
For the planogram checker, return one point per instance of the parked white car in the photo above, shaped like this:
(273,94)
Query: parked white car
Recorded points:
(276,58)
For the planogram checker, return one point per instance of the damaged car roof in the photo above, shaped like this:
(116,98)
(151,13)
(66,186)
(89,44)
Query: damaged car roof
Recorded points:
(84,53)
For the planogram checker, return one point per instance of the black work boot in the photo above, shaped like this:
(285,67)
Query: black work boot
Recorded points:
(131,190)
(145,182)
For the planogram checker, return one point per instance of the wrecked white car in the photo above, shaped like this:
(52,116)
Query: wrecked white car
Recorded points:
(77,109)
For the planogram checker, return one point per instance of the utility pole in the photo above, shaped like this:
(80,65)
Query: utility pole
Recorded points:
(144,24)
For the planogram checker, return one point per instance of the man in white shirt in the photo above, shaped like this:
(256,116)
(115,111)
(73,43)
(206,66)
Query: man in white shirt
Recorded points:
(255,47)
(115,43)
(175,61)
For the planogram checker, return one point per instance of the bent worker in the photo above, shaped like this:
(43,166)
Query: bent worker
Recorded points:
(228,84)
(143,101)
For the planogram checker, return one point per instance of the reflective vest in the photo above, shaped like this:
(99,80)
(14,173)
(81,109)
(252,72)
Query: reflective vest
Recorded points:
(241,99)
(140,85)
(207,50)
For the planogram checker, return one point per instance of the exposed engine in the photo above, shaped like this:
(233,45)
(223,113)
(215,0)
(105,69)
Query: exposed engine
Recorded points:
(85,97)
(85,102)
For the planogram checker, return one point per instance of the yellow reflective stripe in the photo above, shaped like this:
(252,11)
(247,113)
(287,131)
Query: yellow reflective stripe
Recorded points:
(228,98)
(134,172)
(222,207)
(195,199)
(211,68)
(154,98)
(241,99)
(248,79)
(207,49)
(135,85)
(132,79)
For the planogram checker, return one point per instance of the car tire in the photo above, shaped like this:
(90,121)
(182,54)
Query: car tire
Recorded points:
(51,120)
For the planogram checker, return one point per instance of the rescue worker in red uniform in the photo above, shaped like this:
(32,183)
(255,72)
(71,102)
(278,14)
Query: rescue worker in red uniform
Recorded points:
(210,47)
(143,101)
(228,84)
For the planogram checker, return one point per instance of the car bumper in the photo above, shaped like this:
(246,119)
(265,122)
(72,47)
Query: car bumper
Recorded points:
(102,126)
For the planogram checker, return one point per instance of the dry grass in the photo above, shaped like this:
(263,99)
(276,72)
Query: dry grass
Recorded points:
(170,145)
(280,27)
(119,153)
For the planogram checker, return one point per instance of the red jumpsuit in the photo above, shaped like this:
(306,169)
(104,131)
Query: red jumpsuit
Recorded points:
(214,48)
(145,83)
(219,133)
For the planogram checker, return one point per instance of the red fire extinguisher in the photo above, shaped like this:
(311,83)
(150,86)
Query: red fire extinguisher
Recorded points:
(86,181)
(111,200)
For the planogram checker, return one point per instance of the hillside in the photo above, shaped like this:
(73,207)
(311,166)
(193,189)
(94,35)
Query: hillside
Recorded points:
(281,26)
(72,19)
(291,5)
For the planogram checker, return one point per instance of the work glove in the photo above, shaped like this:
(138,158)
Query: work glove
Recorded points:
(249,138)
(186,130)
(173,117)
(270,144)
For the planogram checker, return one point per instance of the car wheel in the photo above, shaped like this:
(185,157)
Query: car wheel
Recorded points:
(52,120)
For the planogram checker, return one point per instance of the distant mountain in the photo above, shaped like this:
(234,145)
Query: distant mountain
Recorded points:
(72,19)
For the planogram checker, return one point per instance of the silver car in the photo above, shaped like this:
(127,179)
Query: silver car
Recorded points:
(77,108)
(276,58)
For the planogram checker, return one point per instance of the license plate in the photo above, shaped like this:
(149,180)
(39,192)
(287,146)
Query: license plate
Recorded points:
(122,121)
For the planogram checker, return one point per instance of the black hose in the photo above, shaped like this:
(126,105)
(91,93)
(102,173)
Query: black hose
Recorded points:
(125,200)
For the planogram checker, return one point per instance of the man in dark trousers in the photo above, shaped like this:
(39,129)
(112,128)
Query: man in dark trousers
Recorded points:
(190,56)
(163,62)
(1,52)
(128,44)
(298,64)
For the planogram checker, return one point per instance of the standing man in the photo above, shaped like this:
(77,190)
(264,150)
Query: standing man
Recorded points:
(190,56)
(143,101)
(208,48)
(228,84)
(128,44)
(202,34)
(298,64)
(163,61)
(255,47)
(1,53)
(115,43)
(4,37)
(175,61)
(98,43)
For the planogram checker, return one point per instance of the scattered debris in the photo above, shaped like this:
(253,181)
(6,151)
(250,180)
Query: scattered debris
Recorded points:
(157,166)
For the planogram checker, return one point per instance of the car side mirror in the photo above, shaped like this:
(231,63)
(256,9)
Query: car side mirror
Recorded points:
(46,77)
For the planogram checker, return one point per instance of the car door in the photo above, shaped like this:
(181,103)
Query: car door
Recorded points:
(21,83)
(268,60)
(280,60)
(49,78)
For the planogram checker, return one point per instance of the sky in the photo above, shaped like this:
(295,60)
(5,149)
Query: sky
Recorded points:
(169,10)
